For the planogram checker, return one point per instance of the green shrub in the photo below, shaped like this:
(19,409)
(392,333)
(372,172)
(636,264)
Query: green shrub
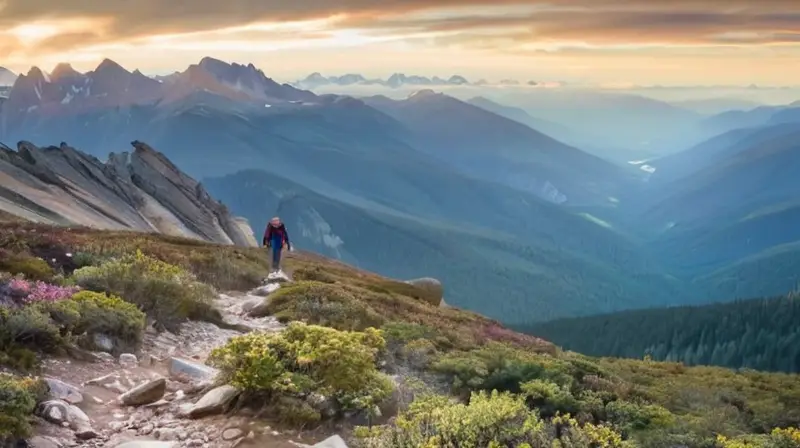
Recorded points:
(550,398)
(109,315)
(31,267)
(18,398)
(778,438)
(632,417)
(498,366)
(29,327)
(305,359)
(167,293)
(323,304)
(313,273)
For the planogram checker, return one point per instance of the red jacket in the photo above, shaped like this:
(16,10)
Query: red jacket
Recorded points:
(276,236)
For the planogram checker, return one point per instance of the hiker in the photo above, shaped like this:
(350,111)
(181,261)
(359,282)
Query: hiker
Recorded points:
(275,236)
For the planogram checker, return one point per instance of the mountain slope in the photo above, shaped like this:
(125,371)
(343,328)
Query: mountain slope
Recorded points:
(137,191)
(758,334)
(491,147)
(538,277)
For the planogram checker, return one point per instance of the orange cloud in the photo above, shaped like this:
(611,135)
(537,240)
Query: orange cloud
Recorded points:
(508,32)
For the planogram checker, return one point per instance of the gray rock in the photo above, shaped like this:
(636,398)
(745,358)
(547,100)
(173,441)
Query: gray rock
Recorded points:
(86,433)
(213,402)
(128,360)
(60,390)
(139,190)
(250,304)
(432,288)
(146,393)
(103,342)
(78,420)
(331,442)
(43,442)
(278,277)
(54,411)
(147,444)
(196,371)
(232,434)
(259,310)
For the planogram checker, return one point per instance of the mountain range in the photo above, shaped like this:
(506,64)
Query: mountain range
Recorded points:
(316,80)
(502,203)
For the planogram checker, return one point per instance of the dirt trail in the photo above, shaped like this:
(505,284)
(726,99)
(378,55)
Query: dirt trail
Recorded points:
(102,380)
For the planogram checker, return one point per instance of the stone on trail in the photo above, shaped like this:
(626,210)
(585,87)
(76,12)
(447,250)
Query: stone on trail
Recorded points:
(60,390)
(194,370)
(147,444)
(331,442)
(128,360)
(145,393)
(214,401)
(42,442)
(265,290)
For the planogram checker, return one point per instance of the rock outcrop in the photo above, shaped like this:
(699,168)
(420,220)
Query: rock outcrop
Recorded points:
(141,191)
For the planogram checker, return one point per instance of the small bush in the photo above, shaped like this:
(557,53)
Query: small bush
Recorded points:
(29,327)
(323,304)
(30,267)
(490,420)
(163,291)
(497,366)
(550,398)
(18,397)
(109,315)
(314,274)
(305,359)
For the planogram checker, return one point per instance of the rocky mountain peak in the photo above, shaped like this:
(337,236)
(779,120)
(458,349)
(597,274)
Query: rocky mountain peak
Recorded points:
(63,70)
(141,190)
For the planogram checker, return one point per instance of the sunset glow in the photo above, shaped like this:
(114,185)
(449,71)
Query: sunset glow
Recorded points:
(680,42)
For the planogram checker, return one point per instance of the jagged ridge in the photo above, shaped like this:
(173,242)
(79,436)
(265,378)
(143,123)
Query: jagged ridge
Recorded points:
(141,190)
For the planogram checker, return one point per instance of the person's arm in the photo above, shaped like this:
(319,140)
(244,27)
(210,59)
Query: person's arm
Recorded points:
(267,235)
(286,238)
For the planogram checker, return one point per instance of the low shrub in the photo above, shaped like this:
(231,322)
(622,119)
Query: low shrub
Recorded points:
(323,304)
(108,315)
(18,398)
(314,274)
(490,419)
(31,267)
(167,293)
(42,318)
(778,438)
(498,366)
(307,359)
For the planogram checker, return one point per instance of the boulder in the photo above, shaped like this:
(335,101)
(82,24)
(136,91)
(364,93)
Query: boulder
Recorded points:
(214,401)
(60,390)
(196,371)
(434,292)
(43,442)
(54,411)
(128,360)
(147,444)
(146,393)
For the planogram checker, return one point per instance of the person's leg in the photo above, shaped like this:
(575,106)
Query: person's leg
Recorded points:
(276,257)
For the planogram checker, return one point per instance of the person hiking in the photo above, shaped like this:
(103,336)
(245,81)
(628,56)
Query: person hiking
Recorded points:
(275,236)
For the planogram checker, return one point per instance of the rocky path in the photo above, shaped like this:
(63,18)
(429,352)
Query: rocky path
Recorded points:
(162,398)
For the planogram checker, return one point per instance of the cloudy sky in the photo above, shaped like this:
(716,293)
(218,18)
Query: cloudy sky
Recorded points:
(599,41)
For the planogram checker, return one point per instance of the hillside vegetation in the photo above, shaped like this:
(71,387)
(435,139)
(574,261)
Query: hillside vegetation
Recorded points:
(758,334)
(467,380)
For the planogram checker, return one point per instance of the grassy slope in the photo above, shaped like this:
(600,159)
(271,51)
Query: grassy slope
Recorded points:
(702,401)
